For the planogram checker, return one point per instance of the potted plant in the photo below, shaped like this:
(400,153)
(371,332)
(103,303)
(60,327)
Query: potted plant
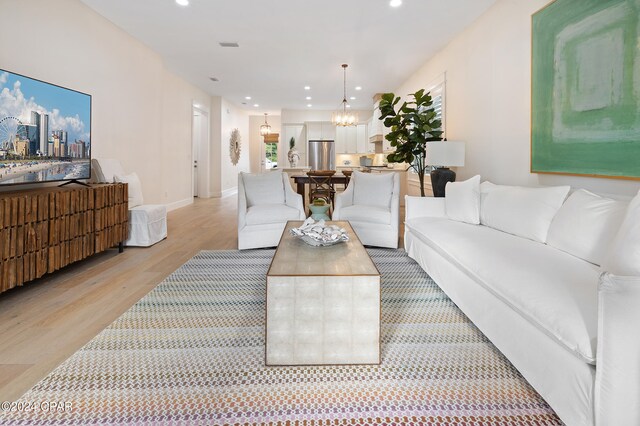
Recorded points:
(412,125)
(293,155)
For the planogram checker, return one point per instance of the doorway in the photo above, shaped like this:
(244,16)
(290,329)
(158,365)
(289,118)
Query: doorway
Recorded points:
(269,152)
(200,141)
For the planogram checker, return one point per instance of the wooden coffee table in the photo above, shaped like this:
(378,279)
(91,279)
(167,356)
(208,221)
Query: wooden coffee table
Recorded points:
(323,303)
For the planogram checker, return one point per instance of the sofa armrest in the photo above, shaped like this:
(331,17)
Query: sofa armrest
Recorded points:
(423,206)
(345,199)
(617,387)
(292,198)
(242,203)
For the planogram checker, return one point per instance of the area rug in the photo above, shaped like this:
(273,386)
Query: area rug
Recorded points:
(192,352)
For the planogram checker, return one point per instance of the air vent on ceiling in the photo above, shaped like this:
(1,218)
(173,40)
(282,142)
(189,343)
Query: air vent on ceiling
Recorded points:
(229,44)
(214,79)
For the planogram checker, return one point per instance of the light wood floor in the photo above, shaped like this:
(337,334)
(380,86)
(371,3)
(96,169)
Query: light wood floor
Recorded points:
(46,321)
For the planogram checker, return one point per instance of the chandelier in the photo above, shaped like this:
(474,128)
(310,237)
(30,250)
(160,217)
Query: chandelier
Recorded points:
(265,129)
(343,117)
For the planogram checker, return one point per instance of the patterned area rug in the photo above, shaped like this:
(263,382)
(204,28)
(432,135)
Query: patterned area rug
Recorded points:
(192,352)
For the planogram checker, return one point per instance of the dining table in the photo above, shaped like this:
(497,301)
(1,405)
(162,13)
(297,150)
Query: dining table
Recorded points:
(303,180)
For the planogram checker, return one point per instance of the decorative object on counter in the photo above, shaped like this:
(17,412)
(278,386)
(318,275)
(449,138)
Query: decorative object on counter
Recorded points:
(319,233)
(265,129)
(234,146)
(413,125)
(443,155)
(293,155)
(319,209)
(342,117)
(366,161)
(347,162)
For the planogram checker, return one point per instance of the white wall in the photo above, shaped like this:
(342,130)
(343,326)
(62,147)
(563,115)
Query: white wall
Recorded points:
(488,98)
(141,113)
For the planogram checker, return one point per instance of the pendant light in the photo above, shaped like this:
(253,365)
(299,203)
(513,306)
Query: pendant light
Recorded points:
(343,117)
(265,129)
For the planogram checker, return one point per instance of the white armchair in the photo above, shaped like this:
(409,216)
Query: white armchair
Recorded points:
(147,222)
(265,203)
(371,203)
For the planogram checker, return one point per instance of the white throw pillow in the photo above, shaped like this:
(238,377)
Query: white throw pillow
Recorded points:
(462,200)
(134,188)
(624,255)
(523,211)
(586,224)
(263,188)
(372,189)
(106,169)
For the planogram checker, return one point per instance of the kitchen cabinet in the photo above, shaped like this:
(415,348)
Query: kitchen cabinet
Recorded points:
(296,131)
(351,140)
(320,130)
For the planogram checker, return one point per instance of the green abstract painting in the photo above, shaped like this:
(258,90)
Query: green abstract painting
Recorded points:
(585,116)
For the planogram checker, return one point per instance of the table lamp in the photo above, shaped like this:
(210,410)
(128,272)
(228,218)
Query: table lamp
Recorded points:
(443,155)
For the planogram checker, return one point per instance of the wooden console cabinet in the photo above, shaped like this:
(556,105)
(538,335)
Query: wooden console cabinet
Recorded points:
(43,230)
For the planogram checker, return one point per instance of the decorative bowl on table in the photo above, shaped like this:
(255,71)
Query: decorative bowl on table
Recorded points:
(319,233)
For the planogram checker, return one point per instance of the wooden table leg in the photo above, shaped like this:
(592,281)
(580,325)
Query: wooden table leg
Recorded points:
(300,187)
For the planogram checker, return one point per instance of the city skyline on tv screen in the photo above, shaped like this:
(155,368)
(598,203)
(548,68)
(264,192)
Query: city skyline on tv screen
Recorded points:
(45,131)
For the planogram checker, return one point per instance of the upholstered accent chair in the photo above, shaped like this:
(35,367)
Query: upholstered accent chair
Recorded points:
(147,222)
(371,203)
(266,202)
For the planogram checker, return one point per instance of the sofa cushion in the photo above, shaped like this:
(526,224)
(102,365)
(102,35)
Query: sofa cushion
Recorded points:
(372,189)
(105,169)
(526,212)
(263,188)
(462,200)
(625,249)
(134,188)
(586,224)
(371,214)
(553,290)
(271,213)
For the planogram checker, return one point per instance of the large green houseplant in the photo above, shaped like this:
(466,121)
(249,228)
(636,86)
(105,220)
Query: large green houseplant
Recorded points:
(412,125)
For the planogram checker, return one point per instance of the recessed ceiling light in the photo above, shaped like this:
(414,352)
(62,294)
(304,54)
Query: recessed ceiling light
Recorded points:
(395,3)
(182,2)
(358,87)
(256,105)
(307,87)
(353,98)
(309,105)
(248,98)
(308,98)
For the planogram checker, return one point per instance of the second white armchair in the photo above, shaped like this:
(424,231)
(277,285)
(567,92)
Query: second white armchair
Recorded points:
(371,203)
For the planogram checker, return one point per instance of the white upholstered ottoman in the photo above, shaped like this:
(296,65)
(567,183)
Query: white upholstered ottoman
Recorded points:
(323,303)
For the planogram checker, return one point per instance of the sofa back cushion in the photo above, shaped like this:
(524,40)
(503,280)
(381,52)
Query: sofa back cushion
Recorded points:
(522,211)
(372,189)
(586,225)
(263,188)
(624,254)
(105,169)
(134,188)
(462,200)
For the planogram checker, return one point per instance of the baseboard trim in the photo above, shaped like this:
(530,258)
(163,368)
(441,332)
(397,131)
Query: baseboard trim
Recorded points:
(229,192)
(180,203)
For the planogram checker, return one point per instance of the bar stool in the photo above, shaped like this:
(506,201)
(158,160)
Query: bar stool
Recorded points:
(321,185)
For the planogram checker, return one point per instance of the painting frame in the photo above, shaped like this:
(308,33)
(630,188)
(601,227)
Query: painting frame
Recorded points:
(585,96)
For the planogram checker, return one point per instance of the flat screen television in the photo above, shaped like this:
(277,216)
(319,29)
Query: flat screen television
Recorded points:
(45,131)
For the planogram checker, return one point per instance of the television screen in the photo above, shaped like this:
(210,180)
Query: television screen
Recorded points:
(45,131)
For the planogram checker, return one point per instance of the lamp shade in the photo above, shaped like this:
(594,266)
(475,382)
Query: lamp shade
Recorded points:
(445,154)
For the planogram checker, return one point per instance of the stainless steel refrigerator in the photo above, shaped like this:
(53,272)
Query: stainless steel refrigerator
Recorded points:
(322,155)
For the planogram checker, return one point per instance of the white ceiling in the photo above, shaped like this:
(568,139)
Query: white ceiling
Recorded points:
(287,44)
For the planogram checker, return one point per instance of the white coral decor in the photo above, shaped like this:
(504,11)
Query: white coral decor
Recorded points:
(319,234)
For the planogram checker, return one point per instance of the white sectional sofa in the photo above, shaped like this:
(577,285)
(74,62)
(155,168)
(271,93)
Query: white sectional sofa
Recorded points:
(554,284)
